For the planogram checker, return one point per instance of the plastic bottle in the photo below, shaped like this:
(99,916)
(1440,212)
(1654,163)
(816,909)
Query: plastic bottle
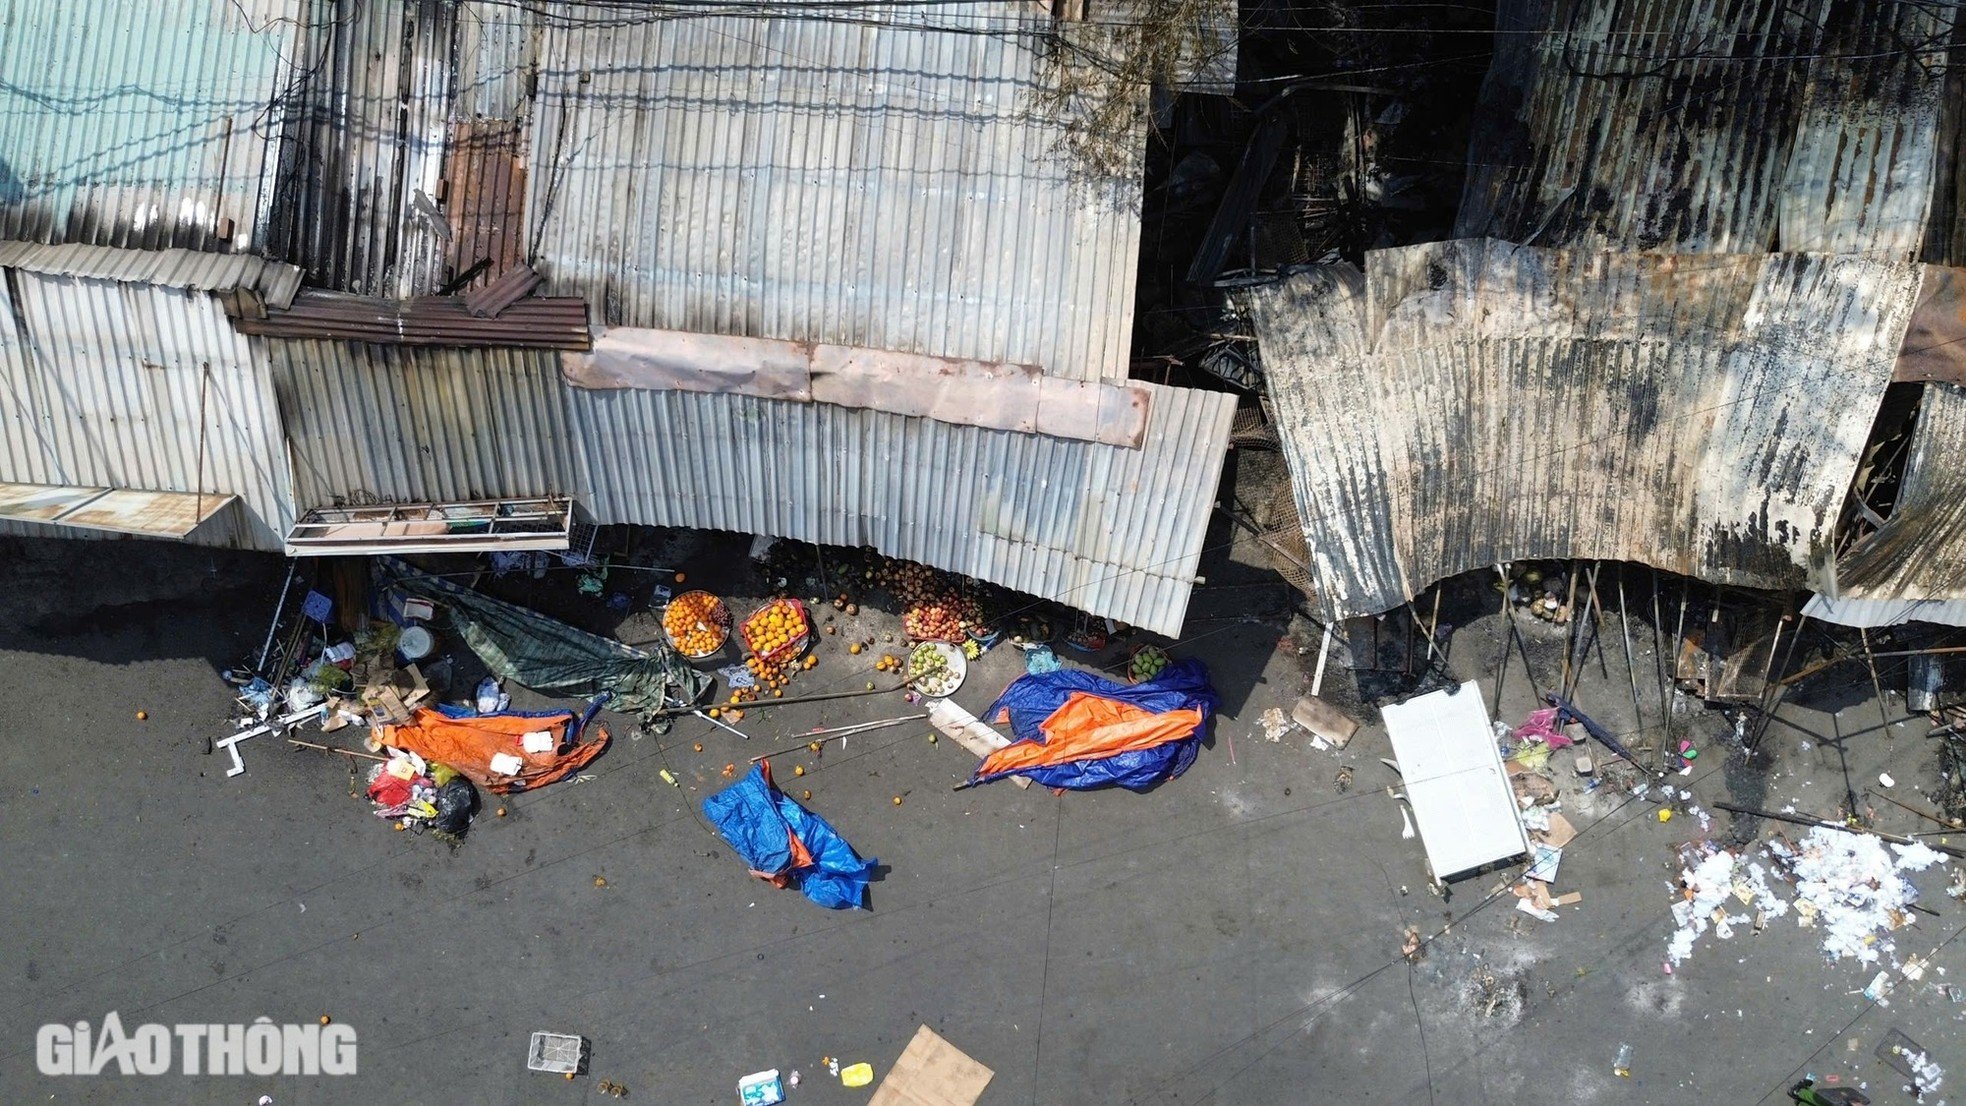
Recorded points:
(1622,1066)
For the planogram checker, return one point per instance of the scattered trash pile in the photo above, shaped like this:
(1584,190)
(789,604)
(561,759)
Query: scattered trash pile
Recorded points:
(417,795)
(1549,831)
(1850,887)
(1544,590)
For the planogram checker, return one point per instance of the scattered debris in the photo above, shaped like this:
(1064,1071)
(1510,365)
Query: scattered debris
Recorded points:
(1851,886)
(762,1088)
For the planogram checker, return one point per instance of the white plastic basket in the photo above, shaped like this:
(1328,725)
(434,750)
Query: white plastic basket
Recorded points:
(555,1052)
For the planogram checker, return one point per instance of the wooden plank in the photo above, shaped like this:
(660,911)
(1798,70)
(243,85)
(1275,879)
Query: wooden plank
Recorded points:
(932,1072)
(967,730)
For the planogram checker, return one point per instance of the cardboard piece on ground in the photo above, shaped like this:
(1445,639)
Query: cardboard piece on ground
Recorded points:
(1534,892)
(419,687)
(1324,720)
(932,1072)
(966,730)
(1560,833)
(385,706)
(1568,898)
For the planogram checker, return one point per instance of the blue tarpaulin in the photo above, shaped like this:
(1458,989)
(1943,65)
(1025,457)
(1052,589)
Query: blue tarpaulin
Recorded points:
(1081,731)
(787,844)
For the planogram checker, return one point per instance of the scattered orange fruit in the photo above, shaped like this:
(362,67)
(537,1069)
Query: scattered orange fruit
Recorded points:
(699,746)
(501,812)
(680,577)
(799,770)
(325,1019)
(805,794)
(897,800)
(142,715)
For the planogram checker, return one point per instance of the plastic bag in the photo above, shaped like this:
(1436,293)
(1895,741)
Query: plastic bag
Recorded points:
(492,698)
(457,800)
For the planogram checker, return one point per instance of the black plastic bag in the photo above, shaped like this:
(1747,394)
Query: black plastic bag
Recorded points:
(456,802)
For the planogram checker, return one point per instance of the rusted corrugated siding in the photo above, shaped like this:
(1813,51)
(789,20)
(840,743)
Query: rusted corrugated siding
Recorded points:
(142,124)
(487,203)
(829,180)
(1468,403)
(103,384)
(1711,126)
(533,323)
(1111,530)
(1920,552)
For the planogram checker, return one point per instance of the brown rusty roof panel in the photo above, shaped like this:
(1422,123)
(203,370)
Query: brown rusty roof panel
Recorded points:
(1467,403)
(534,323)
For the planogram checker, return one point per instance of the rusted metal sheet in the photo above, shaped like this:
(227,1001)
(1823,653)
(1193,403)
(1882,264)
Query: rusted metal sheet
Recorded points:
(876,182)
(969,393)
(492,299)
(1114,531)
(487,199)
(1468,403)
(536,323)
(1920,551)
(1711,126)
(1935,342)
(146,514)
(144,125)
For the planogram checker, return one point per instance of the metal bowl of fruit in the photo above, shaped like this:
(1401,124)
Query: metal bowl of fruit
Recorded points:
(937,669)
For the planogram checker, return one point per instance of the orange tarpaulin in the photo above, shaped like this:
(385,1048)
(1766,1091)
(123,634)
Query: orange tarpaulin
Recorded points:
(467,744)
(1089,726)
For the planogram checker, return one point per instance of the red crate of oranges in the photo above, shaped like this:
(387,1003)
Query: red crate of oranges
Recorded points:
(777,631)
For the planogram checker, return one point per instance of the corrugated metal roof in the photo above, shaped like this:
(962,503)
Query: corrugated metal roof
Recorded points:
(1874,613)
(1711,125)
(133,511)
(131,123)
(361,189)
(103,384)
(532,323)
(1468,403)
(850,181)
(1920,551)
(1111,530)
(193,270)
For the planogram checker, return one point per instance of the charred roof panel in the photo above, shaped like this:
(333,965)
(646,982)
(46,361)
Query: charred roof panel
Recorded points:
(1466,403)
(1920,551)
(1711,126)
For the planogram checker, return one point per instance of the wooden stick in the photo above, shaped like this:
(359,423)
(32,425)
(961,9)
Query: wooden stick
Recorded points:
(334,749)
(841,732)
(1570,639)
(672,712)
(1876,684)
(1502,663)
(1928,815)
(1811,820)
(1631,662)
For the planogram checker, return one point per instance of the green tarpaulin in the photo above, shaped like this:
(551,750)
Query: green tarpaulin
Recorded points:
(550,656)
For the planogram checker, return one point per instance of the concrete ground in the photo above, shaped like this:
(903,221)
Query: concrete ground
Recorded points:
(1233,936)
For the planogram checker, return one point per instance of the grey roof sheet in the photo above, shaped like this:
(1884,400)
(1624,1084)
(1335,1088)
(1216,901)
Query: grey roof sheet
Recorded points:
(1711,125)
(1106,529)
(1467,403)
(140,124)
(866,183)
(193,270)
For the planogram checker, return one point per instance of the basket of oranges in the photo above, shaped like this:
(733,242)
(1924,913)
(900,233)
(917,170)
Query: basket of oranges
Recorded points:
(778,631)
(696,624)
